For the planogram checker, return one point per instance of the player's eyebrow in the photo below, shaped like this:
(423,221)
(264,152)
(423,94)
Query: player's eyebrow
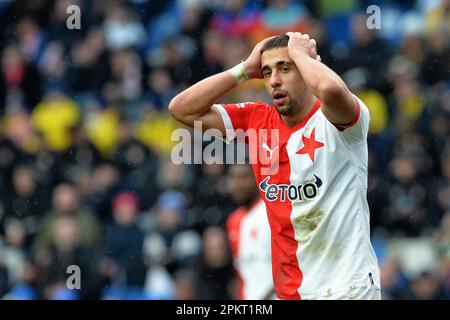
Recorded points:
(278,64)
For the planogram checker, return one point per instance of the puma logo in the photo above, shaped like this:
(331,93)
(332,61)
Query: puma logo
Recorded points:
(266,147)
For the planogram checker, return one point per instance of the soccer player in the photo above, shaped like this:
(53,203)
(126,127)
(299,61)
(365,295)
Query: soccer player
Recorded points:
(315,190)
(248,232)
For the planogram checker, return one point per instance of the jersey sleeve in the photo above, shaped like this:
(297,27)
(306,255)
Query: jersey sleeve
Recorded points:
(235,116)
(357,130)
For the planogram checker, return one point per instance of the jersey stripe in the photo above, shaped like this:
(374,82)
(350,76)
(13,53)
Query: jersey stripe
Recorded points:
(286,271)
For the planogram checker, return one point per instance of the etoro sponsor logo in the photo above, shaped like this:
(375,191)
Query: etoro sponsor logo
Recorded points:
(302,192)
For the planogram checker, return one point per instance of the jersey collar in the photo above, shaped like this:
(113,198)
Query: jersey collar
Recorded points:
(302,122)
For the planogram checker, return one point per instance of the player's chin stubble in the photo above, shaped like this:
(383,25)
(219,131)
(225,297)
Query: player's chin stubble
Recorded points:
(290,108)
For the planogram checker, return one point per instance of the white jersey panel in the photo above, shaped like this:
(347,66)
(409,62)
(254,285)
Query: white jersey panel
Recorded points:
(331,223)
(254,260)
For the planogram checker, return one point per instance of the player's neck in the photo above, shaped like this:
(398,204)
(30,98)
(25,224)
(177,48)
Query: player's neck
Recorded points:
(306,106)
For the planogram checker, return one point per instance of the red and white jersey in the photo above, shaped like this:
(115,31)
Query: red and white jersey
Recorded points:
(314,188)
(249,235)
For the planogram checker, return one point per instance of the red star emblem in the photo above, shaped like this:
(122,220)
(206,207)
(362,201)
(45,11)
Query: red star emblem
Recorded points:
(310,145)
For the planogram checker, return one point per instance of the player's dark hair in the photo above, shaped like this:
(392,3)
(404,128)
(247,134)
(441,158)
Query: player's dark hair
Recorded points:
(279,41)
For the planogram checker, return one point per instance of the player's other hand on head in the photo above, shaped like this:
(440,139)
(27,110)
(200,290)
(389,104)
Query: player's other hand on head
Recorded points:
(252,64)
(302,43)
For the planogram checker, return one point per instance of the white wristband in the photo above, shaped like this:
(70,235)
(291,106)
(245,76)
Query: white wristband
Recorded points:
(238,73)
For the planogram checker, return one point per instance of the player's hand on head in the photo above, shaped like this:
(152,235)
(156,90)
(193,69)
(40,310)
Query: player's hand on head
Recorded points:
(299,42)
(252,64)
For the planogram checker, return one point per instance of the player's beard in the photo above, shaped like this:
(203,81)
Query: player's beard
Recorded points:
(289,108)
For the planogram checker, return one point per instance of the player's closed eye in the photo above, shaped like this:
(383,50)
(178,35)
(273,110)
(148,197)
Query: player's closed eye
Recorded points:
(267,73)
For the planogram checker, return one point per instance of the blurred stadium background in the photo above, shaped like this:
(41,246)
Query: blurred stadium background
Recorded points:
(85,141)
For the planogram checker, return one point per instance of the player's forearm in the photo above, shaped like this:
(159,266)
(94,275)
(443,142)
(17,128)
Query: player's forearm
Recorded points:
(322,81)
(196,100)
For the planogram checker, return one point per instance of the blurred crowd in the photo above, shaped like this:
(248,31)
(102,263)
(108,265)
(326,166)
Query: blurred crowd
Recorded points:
(85,139)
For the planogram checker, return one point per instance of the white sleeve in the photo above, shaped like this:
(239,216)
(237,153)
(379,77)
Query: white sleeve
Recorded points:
(357,131)
(229,130)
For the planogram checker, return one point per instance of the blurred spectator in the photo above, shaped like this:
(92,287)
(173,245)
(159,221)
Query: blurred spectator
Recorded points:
(126,73)
(14,251)
(102,128)
(436,63)
(56,22)
(164,23)
(9,155)
(440,190)
(368,51)
(67,203)
(161,88)
(392,278)
(186,285)
(81,154)
(104,184)
(122,29)
(212,204)
(210,60)
(122,261)
(3,280)
(159,284)
(407,96)
(31,39)
(18,129)
(69,251)
(28,200)
(357,80)
(425,287)
(442,236)
(155,131)
(167,241)
(406,199)
(195,21)
(281,16)
(444,274)
(216,268)
(90,67)
(18,79)
(135,161)
(172,57)
(238,47)
(438,17)
(248,232)
(54,117)
(337,16)
(53,66)
(172,176)
(26,289)
(130,154)
(236,18)
(412,48)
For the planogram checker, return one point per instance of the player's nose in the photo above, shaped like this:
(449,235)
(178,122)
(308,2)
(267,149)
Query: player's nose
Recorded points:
(275,79)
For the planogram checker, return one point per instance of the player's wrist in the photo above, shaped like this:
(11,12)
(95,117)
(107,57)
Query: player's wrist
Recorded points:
(239,73)
(299,53)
